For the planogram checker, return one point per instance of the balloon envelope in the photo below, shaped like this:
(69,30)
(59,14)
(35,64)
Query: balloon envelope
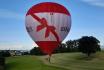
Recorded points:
(48,24)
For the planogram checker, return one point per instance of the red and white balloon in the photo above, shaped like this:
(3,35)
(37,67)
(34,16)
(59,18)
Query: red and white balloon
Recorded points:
(48,24)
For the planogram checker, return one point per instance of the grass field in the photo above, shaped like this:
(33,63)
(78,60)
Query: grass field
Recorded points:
(28,63)
(63,61)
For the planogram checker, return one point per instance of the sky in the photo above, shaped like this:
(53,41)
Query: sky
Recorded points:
(87,20)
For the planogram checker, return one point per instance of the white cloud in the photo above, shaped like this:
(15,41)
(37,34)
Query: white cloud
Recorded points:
(7,14)
(99,3)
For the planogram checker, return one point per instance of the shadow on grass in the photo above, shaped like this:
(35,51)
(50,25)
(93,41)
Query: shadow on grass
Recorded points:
(85,57)
(11,65)
(1,68)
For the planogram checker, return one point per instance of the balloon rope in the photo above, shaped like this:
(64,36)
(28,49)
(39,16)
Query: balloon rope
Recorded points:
(49,59)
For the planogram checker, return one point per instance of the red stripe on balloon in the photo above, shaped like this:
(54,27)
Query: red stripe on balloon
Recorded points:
(47,46)
(48,7)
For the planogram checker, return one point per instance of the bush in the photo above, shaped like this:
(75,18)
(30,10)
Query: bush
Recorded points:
(5,54)
(2,63)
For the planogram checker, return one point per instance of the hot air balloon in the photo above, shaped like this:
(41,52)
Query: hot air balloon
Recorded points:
(48,24)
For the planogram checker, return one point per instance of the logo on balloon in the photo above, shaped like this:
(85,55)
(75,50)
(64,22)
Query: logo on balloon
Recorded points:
(48,24)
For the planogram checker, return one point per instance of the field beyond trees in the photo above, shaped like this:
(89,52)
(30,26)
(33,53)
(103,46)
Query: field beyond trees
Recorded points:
(62,61)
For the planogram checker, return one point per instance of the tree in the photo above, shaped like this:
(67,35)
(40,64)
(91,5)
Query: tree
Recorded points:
(5,53)
(69,45)
(72,45)
(88,45)
(61,48)
(36,51)
(25,53)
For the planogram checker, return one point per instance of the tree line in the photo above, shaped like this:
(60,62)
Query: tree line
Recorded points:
(85,44)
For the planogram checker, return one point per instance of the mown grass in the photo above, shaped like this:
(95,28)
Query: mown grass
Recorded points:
(62,61)
(28,63)
(78,61)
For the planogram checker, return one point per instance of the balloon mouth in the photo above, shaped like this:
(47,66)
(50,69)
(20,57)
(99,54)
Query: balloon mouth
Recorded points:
(48,47)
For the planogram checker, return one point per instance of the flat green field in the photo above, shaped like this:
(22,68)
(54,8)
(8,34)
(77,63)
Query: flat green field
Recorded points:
(28,63)
(62,61)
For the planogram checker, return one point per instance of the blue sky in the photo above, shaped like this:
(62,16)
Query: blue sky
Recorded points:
(87,19)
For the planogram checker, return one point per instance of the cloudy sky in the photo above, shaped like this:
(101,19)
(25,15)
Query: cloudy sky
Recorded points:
(99,3)
(87,19)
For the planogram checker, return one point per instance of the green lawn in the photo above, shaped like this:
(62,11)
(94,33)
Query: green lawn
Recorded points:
(28,63)
(63,61)
(78,61)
